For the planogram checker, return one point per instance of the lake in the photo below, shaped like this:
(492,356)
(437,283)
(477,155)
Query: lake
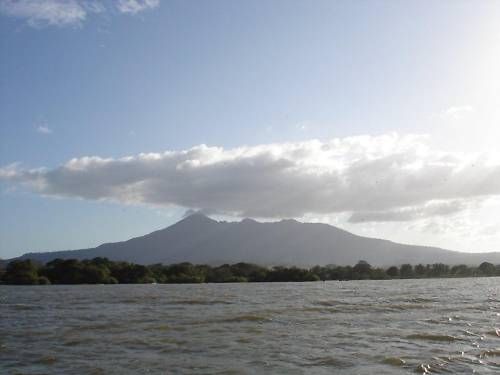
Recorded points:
(352,327)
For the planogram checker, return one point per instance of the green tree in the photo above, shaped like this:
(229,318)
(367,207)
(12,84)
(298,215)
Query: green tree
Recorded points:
(406,271)
(21,272)
(249,271)
(487,269)
(128,273)
(393,272)
(185,273)
(378,274)
(461,270)
(439,270)
(291,274)
(362,270)
(420,270)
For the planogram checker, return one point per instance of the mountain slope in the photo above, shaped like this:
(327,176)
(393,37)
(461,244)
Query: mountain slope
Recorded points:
(199,239)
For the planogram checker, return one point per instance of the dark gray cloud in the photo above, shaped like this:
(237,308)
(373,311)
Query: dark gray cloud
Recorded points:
(386,178)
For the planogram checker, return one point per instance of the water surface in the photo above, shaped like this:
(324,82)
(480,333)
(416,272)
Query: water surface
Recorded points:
(353,327)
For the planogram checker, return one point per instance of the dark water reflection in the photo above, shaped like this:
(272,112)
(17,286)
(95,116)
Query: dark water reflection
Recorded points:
(357,327)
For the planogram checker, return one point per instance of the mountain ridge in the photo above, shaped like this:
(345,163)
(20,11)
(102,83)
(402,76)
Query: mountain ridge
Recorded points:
(200,239)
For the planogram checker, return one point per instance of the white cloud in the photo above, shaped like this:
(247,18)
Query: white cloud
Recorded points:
(302,126)
(43,129)
(426,210)
(45,12)
(457,112)
(384,178)
(135,6)
(39,13)
(10,171)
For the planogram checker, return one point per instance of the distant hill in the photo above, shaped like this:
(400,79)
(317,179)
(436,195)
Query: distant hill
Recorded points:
(199,239)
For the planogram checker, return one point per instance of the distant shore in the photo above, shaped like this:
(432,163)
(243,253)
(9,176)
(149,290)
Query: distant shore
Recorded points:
(105,271)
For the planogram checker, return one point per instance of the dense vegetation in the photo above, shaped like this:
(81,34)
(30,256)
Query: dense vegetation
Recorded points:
(104,271)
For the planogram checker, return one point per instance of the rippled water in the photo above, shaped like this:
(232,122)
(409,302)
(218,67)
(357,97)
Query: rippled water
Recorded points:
(355,327)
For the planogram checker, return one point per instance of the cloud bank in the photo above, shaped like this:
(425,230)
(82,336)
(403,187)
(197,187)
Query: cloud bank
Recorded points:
(43,129)
(39,13)
(384,178)
(136,6)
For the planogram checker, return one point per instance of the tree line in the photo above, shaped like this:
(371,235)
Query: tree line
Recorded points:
(105,271)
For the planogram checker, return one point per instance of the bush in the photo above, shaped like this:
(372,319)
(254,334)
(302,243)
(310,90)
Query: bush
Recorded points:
(42,280)
(104,271)
(21,272)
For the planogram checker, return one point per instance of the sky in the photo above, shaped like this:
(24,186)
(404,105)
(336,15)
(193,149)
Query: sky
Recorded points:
(379,117)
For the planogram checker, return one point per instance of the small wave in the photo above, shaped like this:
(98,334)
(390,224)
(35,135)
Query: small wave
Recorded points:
(469,333)
(247,318)
(201,302)
(330,303)
(164,327)
(432,337)
(423,368)
(329,310)
(130,300)
(79,341)
(173,340)
(329,362)
(494,332)
(372,307)
(403,306)
(155,327)
(139,299)
(23,306)
(48,360)
(489,353)
(394,361)
(435,367)
(421,300)
(104,327)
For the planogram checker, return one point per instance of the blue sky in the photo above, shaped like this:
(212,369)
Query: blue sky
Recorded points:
(118,78)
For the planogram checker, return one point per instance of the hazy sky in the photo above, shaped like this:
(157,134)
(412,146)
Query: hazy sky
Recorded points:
(382,118)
